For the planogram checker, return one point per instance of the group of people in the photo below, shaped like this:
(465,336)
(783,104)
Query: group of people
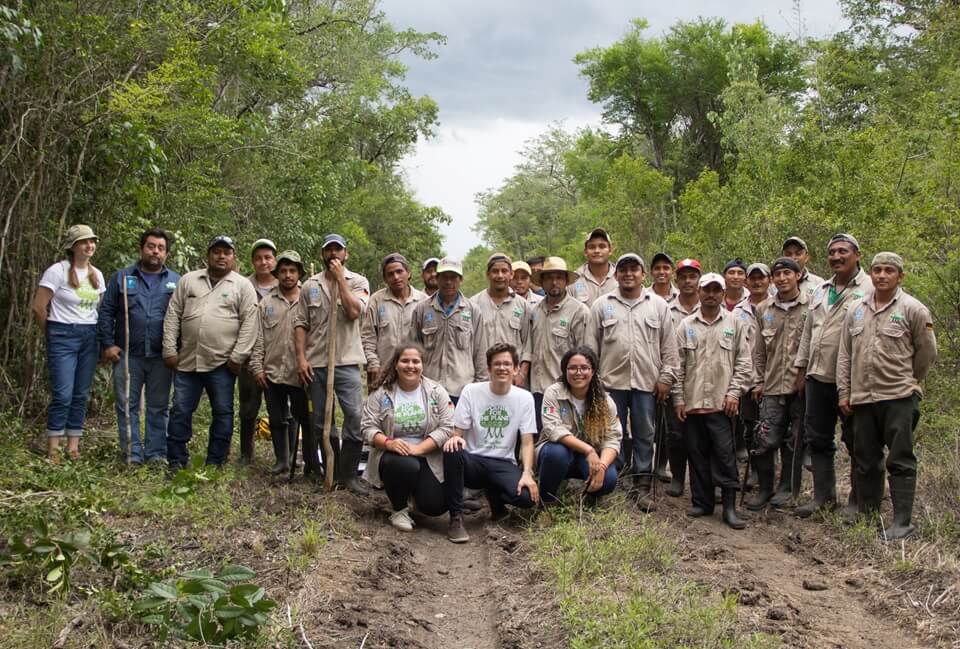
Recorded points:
(545,376)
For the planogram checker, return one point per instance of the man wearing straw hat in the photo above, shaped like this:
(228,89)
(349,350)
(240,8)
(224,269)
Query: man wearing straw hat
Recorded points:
(147,285)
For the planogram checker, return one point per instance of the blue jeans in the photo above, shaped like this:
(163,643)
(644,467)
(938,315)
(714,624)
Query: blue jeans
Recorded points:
(187,389)
(347,388)
(155,379)
(557,463)
(72,353)
(638,407)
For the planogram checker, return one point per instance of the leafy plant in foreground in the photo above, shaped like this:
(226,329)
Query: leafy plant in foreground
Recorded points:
(53,556)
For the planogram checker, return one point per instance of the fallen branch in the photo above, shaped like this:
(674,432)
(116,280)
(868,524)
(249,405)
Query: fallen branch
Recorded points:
(303,636)
(72,625)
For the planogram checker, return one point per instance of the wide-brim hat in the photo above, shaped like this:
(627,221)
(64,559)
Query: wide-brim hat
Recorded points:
(554,265)
(76,233)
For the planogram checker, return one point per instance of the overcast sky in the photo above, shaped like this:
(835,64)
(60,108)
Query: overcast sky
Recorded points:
(506,73)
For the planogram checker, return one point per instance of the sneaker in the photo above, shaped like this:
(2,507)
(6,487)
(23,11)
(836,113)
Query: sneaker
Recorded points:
(401,520)
(456,532)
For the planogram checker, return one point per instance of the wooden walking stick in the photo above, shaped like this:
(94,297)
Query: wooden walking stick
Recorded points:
(330,462)
(126,368)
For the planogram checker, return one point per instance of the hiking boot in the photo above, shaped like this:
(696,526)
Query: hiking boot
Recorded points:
(730,517)
(761,495)
(678,471)
(457,533)
(401,520)
(902,491)
(791,473)
(697,512)
(824,486)
(645,500)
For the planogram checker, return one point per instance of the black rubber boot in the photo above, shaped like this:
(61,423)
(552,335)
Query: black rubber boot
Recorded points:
(764,491)
(247,429)
(281,451)
(870,493)
(348,466)
(730,509)
(645,500)
(824,486)
(902,492)
(791,475)
(663,454)
(678,471)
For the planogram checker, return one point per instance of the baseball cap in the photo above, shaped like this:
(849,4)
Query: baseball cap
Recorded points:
(499,256)
(76,233)
(843,236)
(597,233)
(689,263)
(222,240)
(334,238)
(888,259)
(758,266)
(631,256)
(795,240)
(713,278)
(432,260)
(263,243)
(735,263)
(785,262)
(450,265)
(393,258)
(522,265)
(661,256)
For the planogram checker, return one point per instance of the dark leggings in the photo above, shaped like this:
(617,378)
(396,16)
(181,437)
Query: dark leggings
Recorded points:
(404,476)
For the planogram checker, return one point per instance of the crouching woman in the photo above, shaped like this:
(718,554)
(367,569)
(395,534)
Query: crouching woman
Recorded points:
(406,421)
(581,431)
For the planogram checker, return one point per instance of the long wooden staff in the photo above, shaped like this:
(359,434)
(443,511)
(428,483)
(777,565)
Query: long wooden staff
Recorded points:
(126,368)
(330,462)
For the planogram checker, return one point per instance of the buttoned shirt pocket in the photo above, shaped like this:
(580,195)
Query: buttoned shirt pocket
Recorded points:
(610,330)
(856,331)
(430,336)
(463,335)
(892,337)
(726,343)
(383,327)
(560,336)
(192,307)
(768,336)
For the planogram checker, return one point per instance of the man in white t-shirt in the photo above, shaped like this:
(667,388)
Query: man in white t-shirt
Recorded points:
(480,454)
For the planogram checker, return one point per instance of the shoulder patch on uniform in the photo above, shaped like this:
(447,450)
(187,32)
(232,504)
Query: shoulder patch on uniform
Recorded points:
(858,314)
(314,292)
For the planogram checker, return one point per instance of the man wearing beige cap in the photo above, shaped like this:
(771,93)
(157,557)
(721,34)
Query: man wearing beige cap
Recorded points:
(887,346)
(505,314)
(386,322)
(263,256)
(557,324)
(796,249)
(631,330)
(311,332)
(596,275)
(521,282)
(449,326)
(714,366)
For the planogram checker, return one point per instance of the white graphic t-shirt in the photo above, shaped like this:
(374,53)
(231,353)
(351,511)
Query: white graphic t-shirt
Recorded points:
(493,422)
(409,416)
(72,305)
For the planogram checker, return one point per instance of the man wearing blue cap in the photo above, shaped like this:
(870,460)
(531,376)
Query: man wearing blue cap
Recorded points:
(311,322)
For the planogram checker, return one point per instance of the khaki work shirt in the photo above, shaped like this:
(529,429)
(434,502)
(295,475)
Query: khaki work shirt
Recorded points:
(386,324)
(560,418)
(777,345)
(746,312)
(809,283)
(507,322)
(378,418)
(714,361)
(820,343)
(637,344)
(313,313)
(885,353)
(532,298)
(452,342)
(553,332)
(671,296)
(275,354)
(208,324)
(678,313)
(587,289)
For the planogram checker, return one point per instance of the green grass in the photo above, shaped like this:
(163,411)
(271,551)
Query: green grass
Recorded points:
(617,586)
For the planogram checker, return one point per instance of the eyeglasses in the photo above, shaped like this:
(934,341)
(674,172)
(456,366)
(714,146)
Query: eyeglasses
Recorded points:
(503,365)
(579,369)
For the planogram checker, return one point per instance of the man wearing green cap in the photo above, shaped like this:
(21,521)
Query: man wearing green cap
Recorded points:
(263,256)
(887,346)
(273,362)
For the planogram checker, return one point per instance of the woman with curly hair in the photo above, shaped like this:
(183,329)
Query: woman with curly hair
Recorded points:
(581,431)
(406,421)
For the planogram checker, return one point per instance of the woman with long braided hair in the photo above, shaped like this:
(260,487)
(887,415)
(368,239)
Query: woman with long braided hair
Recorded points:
(581,431)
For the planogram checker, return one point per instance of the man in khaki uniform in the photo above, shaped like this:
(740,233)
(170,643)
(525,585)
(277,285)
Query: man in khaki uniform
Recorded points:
(887,346)
(505,314)
(263,256)
(522,282)
(274,363)
(209,331)
(714,366)
(596,277)
(796,249)
(428,274)
(661,269)
(735,276)
(686,302)
(449,326)
(558,323)
(781,319)
(386,322)
(817,360)
(758,285)
(632,332)
(311,331)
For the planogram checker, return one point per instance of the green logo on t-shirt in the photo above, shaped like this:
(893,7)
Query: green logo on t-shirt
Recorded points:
(88,297)
(408,419)
(493,421)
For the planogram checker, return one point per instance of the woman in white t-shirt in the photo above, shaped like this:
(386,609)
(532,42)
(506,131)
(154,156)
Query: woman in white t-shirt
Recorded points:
(65,306)
(406,421)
